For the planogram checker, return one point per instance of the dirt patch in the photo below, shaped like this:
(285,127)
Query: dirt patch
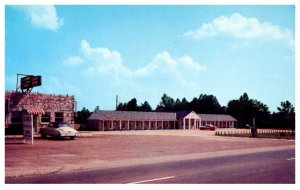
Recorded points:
(52,155)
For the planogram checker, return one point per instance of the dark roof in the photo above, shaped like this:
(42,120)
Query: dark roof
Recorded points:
(216,117)
(131,115)
(182,114)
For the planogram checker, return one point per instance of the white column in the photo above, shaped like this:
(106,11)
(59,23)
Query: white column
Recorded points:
(128,125)
(190,123)
(120,124)
(156,124)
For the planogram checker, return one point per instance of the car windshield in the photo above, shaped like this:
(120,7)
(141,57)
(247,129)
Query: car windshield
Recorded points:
(58,125)
(64,125)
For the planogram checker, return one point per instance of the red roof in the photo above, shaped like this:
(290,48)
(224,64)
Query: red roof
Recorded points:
(35,111)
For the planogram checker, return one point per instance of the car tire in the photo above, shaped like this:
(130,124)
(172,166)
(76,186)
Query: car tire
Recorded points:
(72,138)
(43,136)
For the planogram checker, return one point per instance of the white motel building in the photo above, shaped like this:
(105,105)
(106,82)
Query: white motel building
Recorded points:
(133,120)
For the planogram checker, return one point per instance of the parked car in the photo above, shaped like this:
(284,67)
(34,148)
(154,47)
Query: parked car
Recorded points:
(208,127)
(59,130)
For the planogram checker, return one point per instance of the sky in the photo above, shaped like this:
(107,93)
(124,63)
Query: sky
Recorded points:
(98,52)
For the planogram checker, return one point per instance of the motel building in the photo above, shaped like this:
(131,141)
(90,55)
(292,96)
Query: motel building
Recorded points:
(44,108)
(102,120)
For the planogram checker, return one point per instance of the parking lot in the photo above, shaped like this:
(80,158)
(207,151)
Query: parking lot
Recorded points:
(100,149)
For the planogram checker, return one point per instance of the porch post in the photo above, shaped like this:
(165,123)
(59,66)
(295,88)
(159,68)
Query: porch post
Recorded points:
(184,123)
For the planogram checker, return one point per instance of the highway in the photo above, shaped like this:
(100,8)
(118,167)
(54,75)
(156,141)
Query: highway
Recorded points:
(268,167)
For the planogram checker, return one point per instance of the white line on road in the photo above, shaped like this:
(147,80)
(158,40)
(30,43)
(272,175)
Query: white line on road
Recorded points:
(291,159)
(150,180)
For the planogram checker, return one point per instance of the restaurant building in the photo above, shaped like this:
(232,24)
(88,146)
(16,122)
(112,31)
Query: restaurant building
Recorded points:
(44,108)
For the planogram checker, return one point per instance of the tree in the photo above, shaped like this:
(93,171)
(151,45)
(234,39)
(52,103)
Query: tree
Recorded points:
(182,105)
(245,109)
(286,108)
(129,106)
(206,104)
(145,107)
(132,105)
(166,104)
(261,113)
(121,107)
(82,116)
(285,118)
(97,108)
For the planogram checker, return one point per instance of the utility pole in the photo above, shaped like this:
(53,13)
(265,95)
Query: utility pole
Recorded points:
(117,102)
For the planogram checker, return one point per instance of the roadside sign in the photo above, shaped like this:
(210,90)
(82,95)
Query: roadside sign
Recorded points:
(30,81)
(28,127)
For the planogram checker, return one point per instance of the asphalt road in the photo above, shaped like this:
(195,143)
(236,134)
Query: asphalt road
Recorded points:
(276,166)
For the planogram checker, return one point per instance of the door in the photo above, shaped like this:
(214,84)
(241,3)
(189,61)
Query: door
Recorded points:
(35,123)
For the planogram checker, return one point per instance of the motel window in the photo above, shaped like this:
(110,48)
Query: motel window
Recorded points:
(46,118)
(59,116)
(16,117)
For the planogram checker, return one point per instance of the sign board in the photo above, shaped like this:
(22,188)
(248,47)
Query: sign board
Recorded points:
(30,81)
(28,127)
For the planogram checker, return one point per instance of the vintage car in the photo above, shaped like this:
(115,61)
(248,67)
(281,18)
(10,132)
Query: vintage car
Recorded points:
(208,127)
(58,130)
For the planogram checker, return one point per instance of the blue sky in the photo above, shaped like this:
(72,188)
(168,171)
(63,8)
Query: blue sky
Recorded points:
(97,52)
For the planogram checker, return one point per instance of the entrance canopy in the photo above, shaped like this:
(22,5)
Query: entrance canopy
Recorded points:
(35,111)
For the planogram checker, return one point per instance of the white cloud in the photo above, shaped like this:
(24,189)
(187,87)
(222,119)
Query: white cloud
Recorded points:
(163,74)
(243,28)
(164,68)
(43,16)
(103,61)
(74,61)
(165,63)
(53,85)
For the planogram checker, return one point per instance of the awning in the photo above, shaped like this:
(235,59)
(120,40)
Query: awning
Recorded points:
(35,111)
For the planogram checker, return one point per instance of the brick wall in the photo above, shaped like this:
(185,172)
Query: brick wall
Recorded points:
(48,102)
